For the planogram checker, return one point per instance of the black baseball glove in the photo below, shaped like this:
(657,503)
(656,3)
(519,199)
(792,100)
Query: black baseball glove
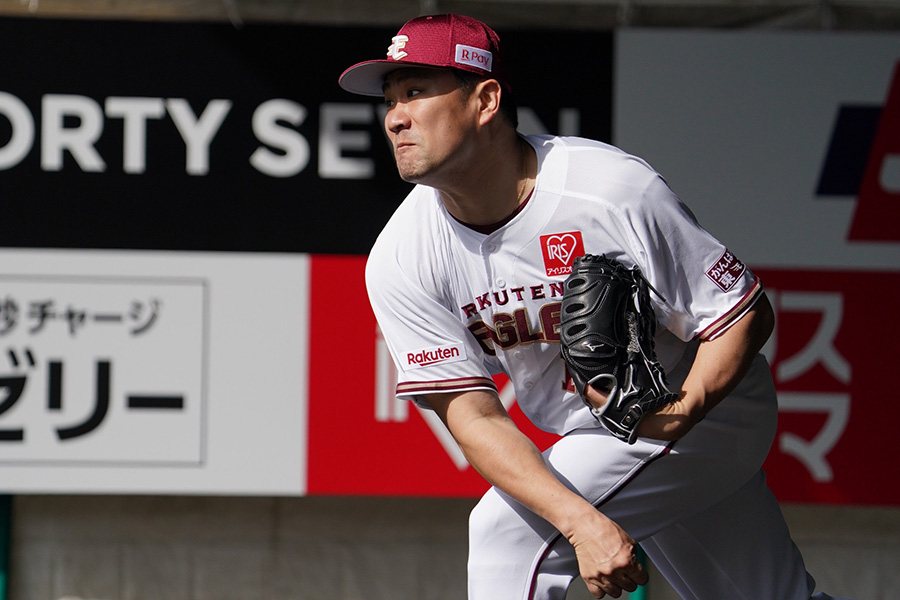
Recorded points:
(606,332)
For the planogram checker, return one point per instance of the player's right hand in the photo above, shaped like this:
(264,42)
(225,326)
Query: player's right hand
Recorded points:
(607,559)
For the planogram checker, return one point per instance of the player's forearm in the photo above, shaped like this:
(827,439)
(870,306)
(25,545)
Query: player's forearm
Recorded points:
(722,363)
(506,458)
(509,461)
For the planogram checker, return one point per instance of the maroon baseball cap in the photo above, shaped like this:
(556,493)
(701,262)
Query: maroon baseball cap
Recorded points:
(442,41)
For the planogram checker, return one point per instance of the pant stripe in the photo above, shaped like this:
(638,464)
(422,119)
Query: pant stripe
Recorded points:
(548,546)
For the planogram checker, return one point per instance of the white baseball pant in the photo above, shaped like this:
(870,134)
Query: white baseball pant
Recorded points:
(700,508)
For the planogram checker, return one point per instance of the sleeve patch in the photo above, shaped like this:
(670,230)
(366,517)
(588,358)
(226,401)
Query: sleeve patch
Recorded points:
(726,271)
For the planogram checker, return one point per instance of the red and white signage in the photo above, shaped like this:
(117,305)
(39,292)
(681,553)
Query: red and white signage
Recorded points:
(827,357)
(812,208)
(240,358)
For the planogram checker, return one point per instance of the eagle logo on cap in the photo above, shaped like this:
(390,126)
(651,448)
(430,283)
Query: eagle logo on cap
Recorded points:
(395,50)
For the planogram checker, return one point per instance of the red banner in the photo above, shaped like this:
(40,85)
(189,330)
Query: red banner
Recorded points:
(362,440)
(829,354)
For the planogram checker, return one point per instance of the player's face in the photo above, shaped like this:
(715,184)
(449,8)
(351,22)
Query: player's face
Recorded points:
(428,122)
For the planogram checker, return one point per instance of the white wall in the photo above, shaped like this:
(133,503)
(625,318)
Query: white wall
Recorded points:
(217,548)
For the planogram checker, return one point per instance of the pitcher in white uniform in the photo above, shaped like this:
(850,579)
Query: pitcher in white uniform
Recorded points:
(466,282)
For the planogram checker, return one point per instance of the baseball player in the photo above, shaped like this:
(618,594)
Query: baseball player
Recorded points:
(466,281)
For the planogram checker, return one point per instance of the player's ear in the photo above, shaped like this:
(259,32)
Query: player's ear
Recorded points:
(488,93)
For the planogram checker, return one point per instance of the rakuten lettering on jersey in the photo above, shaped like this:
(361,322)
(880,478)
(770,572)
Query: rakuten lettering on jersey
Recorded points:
(433,356)
(560,250)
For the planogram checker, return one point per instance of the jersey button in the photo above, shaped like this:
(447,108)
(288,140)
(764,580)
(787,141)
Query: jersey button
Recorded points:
(501,283)
(529,385)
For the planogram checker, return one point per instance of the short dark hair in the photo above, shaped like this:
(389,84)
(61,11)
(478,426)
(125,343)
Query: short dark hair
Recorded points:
(508,106)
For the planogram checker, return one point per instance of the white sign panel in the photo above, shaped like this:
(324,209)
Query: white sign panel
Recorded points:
(101,369)
(152,372)
(742,125)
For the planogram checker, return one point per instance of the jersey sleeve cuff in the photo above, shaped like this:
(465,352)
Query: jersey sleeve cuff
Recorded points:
(422,388)
(720,325)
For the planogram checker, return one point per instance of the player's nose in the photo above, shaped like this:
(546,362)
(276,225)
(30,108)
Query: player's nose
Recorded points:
(397,118)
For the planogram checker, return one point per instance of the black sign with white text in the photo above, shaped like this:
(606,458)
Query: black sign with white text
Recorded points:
(135,135)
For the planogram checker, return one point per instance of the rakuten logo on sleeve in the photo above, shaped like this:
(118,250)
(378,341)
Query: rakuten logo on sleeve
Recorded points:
(434,356)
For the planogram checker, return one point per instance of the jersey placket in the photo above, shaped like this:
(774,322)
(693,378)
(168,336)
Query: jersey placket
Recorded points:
(519,361)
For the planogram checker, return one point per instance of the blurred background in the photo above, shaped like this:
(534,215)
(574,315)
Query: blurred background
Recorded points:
(195,401)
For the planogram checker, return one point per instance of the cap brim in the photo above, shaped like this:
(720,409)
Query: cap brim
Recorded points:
(367,78)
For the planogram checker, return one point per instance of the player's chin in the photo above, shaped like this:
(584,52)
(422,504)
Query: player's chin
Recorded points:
(411,173)
(405,167)
(408,177)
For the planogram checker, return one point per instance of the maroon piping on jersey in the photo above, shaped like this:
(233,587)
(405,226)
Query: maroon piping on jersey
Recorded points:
(736,311)
(445,385)
(489,229)
(532,588)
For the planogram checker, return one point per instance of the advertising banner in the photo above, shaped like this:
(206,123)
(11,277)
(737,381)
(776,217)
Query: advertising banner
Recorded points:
(153,372)
(824,355)
(187,210)
(192,136)
(785,145)
(165,188)
(827,355)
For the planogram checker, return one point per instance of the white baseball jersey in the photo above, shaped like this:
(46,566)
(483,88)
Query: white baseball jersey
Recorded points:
(457,306)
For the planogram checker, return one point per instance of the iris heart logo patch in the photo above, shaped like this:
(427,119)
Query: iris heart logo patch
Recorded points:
(559,250)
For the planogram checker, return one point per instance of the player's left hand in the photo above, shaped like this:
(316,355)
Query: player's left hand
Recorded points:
(667,423)
(670,422)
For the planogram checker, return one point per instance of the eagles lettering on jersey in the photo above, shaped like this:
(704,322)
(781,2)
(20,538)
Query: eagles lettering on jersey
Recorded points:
(512,327)
(508,330)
